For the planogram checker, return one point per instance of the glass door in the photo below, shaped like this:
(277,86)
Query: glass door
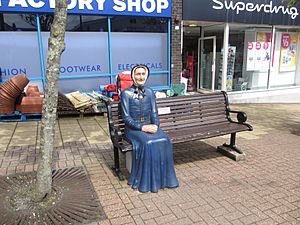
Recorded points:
(206,63)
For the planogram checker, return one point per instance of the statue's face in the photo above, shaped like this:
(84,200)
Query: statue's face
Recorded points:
(140,76)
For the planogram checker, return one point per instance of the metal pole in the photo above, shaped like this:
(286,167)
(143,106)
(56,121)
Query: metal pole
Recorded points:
(169,52)
(41,51)
(109,49)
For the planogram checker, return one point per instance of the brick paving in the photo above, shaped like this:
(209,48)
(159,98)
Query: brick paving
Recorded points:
(264,189)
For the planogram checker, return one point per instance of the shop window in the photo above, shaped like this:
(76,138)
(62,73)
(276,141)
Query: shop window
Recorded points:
(249,57)
(86,54)
(46,21)
(139,24)
(18,22)
(206,53)
(140,48)
(21,54)
(1,22)
(191,34)
(87,23)
(77,23)
(284,68)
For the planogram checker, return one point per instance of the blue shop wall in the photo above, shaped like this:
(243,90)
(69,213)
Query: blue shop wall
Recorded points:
(97,49)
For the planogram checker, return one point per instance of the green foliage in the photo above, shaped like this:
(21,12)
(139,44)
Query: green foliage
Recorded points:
(289,3)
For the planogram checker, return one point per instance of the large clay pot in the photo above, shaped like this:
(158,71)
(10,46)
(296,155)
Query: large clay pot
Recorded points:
(32,88)
(6,97)
(7,109)
(10,89)
(20,81)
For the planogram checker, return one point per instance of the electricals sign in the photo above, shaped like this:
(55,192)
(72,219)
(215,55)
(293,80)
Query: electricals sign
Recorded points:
(159,8)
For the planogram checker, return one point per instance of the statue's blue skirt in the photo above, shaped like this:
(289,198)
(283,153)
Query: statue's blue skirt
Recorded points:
(152,161)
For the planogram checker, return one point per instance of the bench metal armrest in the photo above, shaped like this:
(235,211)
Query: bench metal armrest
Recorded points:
(115,133)
(241,116)
(115,136)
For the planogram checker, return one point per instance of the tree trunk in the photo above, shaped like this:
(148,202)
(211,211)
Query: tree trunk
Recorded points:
(56,46)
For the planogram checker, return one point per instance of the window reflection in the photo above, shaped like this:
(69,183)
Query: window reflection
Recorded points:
(94,23)
(18,22)
(139,24)
(249,62)
(87,23)
(284,67)
(46,21)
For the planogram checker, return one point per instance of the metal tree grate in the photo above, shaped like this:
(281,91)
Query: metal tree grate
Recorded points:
(75,202)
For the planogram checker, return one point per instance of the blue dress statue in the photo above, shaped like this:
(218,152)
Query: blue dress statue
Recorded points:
(152,158)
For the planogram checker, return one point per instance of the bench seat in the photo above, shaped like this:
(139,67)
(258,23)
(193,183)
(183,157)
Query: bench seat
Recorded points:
(184,118)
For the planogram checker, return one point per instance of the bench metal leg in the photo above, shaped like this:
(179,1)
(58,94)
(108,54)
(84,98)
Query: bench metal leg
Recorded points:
(232,144)
(117,169)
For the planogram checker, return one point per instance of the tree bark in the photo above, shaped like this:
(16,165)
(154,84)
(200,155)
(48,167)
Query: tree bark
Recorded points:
(56,46)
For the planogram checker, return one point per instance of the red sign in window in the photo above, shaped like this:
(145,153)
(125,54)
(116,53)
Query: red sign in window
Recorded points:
(258,45)
(250,45)
(266,45)
(285,40)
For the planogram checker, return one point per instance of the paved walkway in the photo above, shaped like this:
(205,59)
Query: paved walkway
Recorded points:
(264,189)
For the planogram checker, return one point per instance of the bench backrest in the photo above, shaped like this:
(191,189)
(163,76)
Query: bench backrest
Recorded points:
(183,111)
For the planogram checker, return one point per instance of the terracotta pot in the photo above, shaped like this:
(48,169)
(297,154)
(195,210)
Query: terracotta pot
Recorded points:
(9,90)
(31,105)
(16,84)
(3,105)
(35,94)
(14,87)
(32,88)
(36,109)
(4,102)
(31,100)
(4,95)
(20,81)
(8,109)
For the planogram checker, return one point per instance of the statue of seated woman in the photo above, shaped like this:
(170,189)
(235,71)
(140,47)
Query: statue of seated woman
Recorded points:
(152,158)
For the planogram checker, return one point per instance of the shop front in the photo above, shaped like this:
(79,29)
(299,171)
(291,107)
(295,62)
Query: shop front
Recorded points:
(248,48)
(103,38)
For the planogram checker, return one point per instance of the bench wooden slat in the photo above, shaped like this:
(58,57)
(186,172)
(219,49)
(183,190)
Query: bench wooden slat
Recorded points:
(197,108)
(207,132)
(178,111)
(179,136)
(182,119)
(193,114)
(192,98)
(193,123)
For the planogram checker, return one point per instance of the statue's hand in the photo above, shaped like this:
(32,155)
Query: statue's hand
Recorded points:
(150,128)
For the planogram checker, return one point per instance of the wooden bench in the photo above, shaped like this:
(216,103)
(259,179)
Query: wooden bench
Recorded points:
(183,118)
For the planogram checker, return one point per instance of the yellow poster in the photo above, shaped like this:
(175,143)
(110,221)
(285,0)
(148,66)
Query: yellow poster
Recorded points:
(288,51)
(263,37)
